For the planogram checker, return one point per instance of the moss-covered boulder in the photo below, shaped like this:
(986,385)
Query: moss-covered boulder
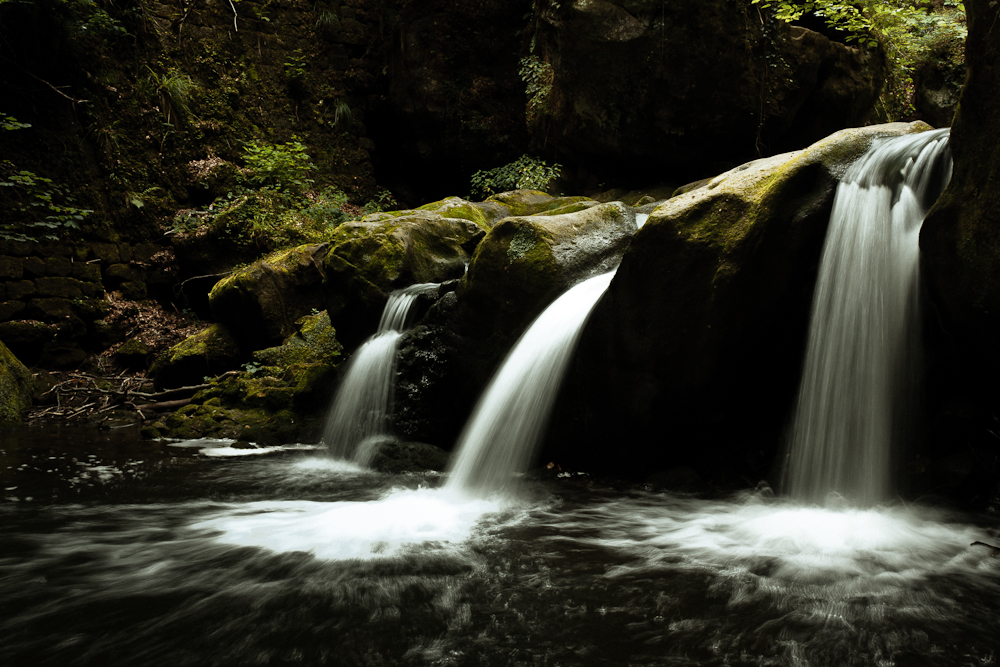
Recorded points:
(693,355)
(315,342)
(279,397)
(522,265)
(16,388)
(484,214)
(208,353)
(261,303)
(525,262)
(371,258)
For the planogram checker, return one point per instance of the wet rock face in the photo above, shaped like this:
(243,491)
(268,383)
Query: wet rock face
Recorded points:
(644,83)
(960,258)
(455,102)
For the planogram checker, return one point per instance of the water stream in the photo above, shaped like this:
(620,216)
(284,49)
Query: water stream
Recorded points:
(119,551)
(178,558)
(361,414)
(862,365)
(510,418)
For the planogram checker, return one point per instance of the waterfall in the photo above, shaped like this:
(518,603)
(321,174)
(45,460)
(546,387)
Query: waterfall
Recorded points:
(862,358)
(511,416)
(362,409)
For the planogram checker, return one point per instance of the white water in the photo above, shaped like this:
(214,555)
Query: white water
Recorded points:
(511,416)
(426,520)
(362,409)
(861,366)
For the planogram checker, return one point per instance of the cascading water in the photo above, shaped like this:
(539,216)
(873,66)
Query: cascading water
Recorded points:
(860,371)
(512,413)
(362,408)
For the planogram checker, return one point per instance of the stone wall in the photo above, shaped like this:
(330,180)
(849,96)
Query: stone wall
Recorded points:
(54,297)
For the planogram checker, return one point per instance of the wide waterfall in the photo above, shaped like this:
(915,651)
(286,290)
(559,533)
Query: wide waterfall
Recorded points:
(862,360)
(512,414)
(362,409)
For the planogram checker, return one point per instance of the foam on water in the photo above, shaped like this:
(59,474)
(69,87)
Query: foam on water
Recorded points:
(789,554)
(427,520)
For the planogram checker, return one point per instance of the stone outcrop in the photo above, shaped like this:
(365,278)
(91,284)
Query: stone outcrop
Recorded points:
(523,264)
(260,303)
(208,353)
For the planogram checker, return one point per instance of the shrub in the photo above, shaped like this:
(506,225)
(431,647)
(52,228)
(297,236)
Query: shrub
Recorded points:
(525,172)
(282,166)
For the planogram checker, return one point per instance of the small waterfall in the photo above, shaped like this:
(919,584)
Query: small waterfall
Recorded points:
(362,408)
(511,416)
(862,359)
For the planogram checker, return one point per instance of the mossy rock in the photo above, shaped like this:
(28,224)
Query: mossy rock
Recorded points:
(531,202)
(135,353)
(261,303)
(710,305)
(16,388)
(523,264)
(370,259)
(207,353)
(314,343)
(484,214)
(395,456)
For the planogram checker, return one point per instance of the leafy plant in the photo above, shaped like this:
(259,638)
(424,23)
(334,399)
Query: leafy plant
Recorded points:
(383,201)
(40,207)
(525,172)
(45,209)
(538,75)
(295,69)
(11,123)
(342,113)
(283,166)
(327,21)
(174,89)
(910,36)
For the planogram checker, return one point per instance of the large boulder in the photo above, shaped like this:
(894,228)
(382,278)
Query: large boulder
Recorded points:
(15,388)
(279,397)
(207,353)
(260,303)
(707,82)
(693,355)
(381,253)
(523,264)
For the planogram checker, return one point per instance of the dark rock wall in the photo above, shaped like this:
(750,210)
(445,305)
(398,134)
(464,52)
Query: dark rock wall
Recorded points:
(960,252)
(454,102)
(647,90)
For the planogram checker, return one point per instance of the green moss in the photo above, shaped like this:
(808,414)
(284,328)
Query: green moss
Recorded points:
(15,388)
(315,342)
(570,208)
(524,241)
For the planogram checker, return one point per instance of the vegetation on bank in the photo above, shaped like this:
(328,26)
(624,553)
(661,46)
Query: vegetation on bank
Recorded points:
(913,34)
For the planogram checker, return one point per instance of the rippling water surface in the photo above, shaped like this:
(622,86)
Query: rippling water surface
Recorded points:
(179,556)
